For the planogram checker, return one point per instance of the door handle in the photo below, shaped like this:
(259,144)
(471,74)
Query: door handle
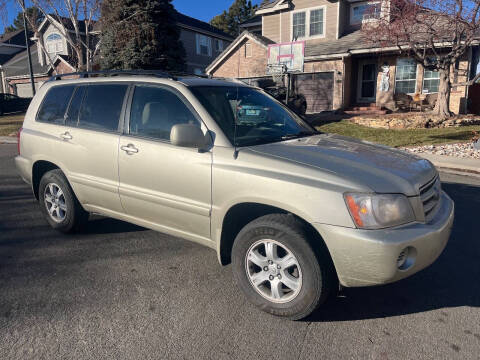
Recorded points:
(66,136)
(129,149)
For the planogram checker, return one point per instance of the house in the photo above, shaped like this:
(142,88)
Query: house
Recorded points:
(341,69)
(202,43)
(49,51)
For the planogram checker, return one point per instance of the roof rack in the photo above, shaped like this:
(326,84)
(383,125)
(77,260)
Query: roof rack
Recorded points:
(106,73)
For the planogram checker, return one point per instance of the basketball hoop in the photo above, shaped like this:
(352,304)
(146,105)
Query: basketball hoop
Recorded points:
(277,71)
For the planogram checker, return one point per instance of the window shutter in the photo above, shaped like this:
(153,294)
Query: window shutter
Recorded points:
(197,40)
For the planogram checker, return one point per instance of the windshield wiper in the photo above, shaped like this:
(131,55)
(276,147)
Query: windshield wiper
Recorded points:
(298,135)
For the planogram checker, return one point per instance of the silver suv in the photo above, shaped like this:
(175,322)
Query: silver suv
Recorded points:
(296,212)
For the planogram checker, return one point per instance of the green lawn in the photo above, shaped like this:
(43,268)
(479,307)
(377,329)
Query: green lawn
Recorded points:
(10,124)
(399,138)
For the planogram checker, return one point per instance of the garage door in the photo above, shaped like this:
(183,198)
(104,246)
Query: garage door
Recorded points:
(25,90)
(317,89)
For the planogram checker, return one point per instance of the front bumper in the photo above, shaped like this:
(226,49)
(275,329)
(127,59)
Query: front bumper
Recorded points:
(369,257)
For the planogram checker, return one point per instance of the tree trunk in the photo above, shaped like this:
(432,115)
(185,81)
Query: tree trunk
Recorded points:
(442,107)
(80,59)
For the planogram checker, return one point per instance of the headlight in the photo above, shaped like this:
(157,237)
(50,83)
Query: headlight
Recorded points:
(377,211)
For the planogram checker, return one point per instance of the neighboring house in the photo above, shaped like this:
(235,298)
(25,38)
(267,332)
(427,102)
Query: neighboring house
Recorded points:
(341,69)
(58,56)
(253,25)
(202,43)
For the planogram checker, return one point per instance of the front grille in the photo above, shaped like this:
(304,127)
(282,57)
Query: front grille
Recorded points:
(430,196)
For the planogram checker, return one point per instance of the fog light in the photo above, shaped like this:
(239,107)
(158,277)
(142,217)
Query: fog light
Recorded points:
(402,258)
(406,258)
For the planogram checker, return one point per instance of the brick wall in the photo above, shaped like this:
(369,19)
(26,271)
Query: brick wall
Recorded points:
(239,64)
(457,98)
(61,68)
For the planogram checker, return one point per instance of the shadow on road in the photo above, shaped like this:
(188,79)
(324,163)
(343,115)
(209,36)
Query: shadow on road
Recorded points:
(109,226)
(452,281)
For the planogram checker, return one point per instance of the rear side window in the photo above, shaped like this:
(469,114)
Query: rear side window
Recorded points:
(101,107)
(74,109)
(55,104)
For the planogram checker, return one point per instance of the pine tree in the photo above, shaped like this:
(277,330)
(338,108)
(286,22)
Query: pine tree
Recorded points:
(239,12)
(140,34)
(34,16)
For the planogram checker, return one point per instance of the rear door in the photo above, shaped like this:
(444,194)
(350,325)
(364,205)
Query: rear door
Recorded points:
(86,142)
(160,183)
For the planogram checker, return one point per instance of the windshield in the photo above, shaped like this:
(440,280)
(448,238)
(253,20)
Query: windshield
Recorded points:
(259,118)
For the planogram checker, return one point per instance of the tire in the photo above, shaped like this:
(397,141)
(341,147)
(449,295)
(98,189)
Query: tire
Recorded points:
(314,274)
(68,215)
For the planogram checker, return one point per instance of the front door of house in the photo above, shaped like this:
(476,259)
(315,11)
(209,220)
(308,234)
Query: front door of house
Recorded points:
(367,82)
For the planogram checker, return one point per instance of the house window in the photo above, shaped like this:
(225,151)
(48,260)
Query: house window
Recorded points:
(54,43)
(431,80)
(406,76)
(316,22)
(218,45)
(248,50)
(365,11)
(308,23)
(204,45)
(299,25)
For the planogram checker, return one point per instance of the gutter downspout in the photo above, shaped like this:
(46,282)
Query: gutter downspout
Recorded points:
(2,78)
(467,87)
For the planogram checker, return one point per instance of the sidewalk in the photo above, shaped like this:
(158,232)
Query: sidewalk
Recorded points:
(453,164)
(8,139)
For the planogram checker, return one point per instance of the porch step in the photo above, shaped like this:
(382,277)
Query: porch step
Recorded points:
(365,107)
(366,112)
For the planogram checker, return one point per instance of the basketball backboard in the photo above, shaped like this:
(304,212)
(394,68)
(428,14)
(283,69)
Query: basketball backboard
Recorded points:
(290,54)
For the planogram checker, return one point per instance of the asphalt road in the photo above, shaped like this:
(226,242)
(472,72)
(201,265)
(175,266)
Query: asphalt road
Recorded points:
(122,292)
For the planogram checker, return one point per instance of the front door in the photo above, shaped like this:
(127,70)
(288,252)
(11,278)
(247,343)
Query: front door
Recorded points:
(162,184)
(367,82)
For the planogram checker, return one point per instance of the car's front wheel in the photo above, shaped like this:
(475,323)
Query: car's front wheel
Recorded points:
(58,203)
(277,268)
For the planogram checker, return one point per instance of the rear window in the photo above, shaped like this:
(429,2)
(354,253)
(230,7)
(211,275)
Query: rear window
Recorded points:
(102,106)
(55,104)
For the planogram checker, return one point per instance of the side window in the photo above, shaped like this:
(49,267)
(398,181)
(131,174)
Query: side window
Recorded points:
(156,110)
(55,104)
(74,108)
(102,106)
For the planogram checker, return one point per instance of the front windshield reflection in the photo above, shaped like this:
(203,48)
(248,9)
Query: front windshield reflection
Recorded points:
(259,118)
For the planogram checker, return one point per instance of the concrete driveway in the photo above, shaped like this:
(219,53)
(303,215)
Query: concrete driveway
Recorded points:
(122,292)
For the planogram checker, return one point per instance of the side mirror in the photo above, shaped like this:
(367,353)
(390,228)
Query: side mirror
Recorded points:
(187,135)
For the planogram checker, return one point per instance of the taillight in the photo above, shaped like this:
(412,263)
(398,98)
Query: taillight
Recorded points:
(18,140)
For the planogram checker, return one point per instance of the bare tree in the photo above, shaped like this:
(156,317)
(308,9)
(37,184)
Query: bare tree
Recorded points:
(74,20)
(436,33)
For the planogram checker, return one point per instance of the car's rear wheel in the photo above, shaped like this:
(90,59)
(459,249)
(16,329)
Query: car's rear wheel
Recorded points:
(58,203)
(277,268)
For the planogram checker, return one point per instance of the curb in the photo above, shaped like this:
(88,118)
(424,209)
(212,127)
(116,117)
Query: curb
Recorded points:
(455,165)
(8,140)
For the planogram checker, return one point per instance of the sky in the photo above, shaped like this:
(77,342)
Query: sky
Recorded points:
(202,10)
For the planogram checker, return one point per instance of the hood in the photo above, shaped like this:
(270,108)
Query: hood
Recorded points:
(379,168)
